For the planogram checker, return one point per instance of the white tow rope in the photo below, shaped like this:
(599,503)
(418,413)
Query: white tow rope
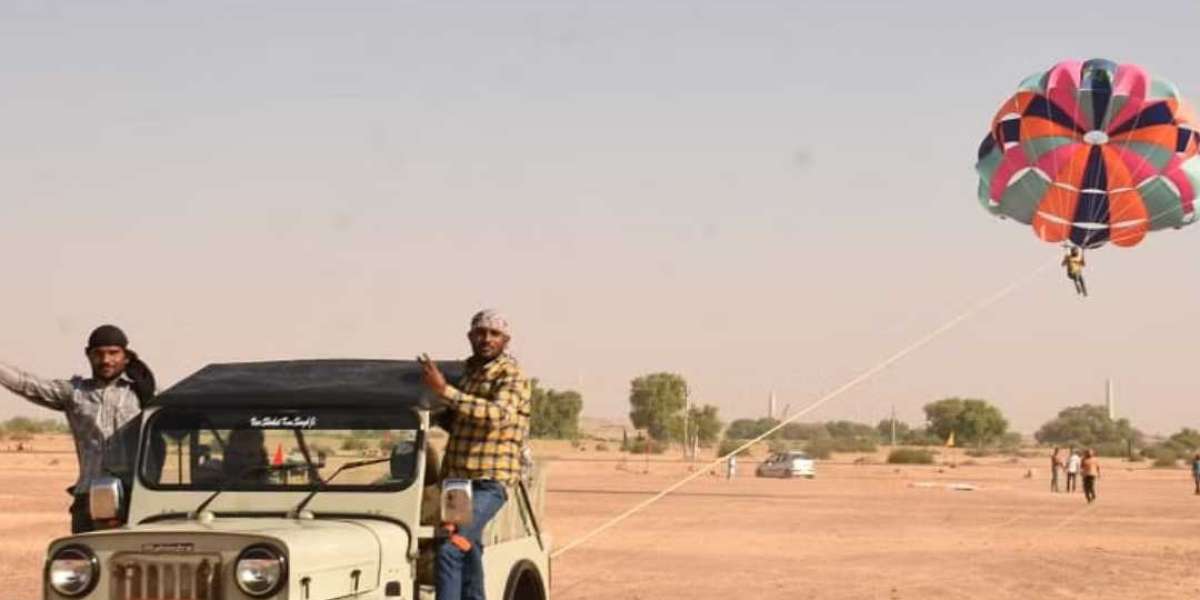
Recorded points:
(865,375)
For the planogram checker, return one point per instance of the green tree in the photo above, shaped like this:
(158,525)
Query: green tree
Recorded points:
(1187,440)
(1088,425)
(657,401)
(973,421)
(745,429)
(554,414)
(851,430)
(884,429)
(804,431)
(705,424)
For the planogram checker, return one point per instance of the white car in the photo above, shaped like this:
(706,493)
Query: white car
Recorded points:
(787,464)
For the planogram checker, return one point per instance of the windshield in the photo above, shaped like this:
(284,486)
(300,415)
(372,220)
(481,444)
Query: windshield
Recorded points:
(247,449)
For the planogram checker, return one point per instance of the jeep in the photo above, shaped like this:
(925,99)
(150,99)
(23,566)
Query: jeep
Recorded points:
(297,480)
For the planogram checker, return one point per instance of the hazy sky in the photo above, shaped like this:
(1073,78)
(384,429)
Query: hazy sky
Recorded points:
(759,196)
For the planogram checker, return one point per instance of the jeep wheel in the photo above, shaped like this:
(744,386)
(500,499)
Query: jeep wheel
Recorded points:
(524,583)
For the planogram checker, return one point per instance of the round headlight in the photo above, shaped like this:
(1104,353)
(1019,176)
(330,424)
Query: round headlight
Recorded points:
(260,570)
(72,571)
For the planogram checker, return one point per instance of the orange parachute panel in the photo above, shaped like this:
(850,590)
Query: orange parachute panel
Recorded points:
(1057,202)
(1117,171)
(1036,127)
(1015,105)
(1164,136)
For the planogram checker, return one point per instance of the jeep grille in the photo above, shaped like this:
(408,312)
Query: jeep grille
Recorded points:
(166,577)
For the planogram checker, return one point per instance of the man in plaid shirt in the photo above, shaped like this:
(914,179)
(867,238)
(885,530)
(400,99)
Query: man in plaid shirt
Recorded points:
(488,420)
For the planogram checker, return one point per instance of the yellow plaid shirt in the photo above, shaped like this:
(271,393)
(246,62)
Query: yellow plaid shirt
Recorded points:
(490,407)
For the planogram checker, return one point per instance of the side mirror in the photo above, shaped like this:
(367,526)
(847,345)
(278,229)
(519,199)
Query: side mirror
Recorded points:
(104,501)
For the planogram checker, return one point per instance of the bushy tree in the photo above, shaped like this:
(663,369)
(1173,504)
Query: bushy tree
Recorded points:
(884,429)
(804,431)
(850,429)
(746,429)
(973,421)
(554,414)
(705,424)
(1087,425)
(657,401)
(1187,440)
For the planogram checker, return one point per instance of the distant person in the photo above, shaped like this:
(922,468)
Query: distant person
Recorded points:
(1073,462)
(731,468)
(102,410)
(1090,466)
(1074,263)
(1057,466)
(487,416)
(1196,472)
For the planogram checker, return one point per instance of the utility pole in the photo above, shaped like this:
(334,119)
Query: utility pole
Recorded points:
(893,425)
(687,409)
(1110,399)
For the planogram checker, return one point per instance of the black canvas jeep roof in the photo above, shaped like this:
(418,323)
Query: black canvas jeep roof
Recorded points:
(306,384)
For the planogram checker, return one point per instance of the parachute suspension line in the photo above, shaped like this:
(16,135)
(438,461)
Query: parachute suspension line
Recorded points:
(858,379)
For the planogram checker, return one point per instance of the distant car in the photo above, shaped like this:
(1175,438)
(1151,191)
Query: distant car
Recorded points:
(787,464)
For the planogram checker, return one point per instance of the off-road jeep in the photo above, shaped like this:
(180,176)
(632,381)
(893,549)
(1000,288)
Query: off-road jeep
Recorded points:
(297,480)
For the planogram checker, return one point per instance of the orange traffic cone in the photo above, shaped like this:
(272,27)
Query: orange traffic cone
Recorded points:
(278,459)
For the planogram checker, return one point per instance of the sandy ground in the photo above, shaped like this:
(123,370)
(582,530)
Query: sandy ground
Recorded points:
(856,531)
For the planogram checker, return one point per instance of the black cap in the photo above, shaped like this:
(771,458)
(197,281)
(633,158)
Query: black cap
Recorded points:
(107,335)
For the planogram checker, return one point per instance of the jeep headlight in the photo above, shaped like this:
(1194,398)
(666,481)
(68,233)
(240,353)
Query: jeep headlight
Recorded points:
(72,571)
(260,570)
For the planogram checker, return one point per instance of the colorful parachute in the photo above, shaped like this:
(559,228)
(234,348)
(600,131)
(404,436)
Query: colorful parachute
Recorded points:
(1093,152)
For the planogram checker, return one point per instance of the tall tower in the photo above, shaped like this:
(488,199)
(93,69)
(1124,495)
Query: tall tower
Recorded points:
(1110,399)
(771,406)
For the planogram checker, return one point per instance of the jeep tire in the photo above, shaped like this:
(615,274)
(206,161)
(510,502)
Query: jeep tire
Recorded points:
(524,583)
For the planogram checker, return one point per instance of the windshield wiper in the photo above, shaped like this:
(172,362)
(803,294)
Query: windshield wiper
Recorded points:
(229,481)
(321,484)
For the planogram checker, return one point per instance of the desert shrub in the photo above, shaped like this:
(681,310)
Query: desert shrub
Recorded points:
(601,447)
(804,431)
(729,445)
(1163,455)
(1166,461)
(921,437)
(355,444)
(1010,442)
(910,456)
(979,452)
(854,444)
(17,426)
(647,446)
(1112,449)
(820,449)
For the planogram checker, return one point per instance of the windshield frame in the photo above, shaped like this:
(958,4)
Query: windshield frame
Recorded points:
(200,420)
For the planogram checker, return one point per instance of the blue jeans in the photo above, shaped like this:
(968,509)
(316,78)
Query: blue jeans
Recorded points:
(460,574)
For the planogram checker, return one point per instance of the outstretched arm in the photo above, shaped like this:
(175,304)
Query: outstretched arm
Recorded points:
(50,393)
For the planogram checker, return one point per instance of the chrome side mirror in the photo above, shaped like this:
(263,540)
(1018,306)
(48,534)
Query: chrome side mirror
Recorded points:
(104,499)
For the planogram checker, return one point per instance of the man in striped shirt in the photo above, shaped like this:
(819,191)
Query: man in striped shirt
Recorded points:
(487,416)
(103,411)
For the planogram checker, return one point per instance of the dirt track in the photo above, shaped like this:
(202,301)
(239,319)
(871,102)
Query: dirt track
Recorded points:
(857,531)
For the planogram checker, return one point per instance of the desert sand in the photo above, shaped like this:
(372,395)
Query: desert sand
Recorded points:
(856,531)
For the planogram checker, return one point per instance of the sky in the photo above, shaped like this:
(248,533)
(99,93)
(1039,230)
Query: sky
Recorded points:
(762,197)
